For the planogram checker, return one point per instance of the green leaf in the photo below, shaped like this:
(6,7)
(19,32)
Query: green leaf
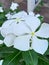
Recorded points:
(47,52)
(30,57)
(21,63)
(43,60)
(2,18)
(5,51)
(41,18)
(38,8)
(12,59)
(1,37)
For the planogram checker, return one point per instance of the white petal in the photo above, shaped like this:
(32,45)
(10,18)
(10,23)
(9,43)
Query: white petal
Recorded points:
(14,6)
(4,32)
(32,22)
(8,15)
(1,41)
(22,43)
(40,46)
(19,14)
(9,40)
(19,29)
(7,23)
(5,27)
(43,31)
(1,61)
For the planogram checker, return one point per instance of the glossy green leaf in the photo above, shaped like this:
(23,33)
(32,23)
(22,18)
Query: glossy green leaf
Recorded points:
(30,58)
(43,60)
(12,59)
(5,51)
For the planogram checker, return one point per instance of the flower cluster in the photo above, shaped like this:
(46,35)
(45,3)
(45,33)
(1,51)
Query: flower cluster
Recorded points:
(23,35)
(20,31)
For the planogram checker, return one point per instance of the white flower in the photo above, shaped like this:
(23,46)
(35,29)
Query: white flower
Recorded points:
(14,6)
(8,15)
(23,35)
(9,23)
(1,9)
(1,61)
(30,41)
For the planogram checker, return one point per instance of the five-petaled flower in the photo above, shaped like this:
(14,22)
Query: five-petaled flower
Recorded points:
(21,31)
(14,6)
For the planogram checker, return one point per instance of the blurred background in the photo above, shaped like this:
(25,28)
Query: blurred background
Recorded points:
(43,10)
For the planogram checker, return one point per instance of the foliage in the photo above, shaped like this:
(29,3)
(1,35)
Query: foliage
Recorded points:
(38,8)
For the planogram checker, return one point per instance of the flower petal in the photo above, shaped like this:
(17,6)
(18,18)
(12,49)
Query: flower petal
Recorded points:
(19,14)
(5,26)
(14,6)
(19,29)
(9,40)
(32,22)
(7,23)
(40,46)
(1,61)
(4,32)
(8,15)
(43,31)
(22,43)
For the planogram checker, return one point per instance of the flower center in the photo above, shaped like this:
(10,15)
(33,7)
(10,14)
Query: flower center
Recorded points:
(19,20)
(32,33)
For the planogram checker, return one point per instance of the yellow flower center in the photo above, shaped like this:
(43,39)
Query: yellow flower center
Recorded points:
(32,33)
(18,19)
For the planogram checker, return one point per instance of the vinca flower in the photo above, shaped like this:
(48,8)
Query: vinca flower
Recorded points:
(29,40)
(14,6)
(1,9)
(7,24)
(21,32)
